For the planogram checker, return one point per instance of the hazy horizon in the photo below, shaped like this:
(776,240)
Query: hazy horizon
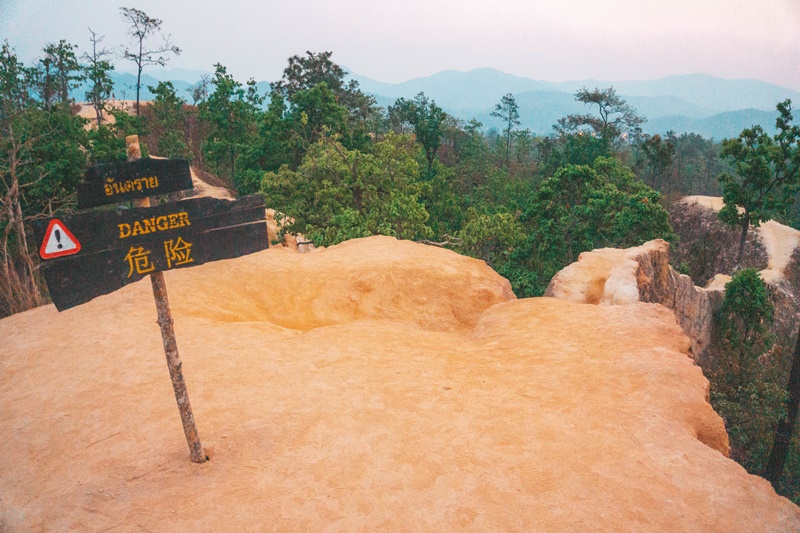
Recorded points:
(619,40)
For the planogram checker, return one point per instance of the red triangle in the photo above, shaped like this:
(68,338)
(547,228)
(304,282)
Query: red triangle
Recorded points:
(58,241)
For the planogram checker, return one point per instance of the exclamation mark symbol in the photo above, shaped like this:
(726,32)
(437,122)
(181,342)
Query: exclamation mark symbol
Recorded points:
(58,238)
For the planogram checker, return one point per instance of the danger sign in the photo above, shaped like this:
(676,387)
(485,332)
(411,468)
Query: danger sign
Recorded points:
(122,246)
(58,241)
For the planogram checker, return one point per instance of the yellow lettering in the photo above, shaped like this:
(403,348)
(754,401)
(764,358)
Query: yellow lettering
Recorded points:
(137,228)
(153,224)
(149,225)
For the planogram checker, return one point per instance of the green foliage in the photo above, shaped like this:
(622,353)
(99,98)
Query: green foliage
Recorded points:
(106,144)
(41,160)
(97,72)
(169,118)
(232,114)
(57,73)
(491,237)
(508,112)
(575,149)
(314,112)
(766,175)
(307,72)
(442,200)
(744,374)
(614,116)
(41,146)
(685,164)
(658,155)
(582,208)
(48,149)
(338,194)
(789,484)
(425,118)
(310,70)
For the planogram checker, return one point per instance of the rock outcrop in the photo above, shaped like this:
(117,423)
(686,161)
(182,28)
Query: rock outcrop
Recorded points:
(377,384)
(643,274)
(707,247)
(611,276)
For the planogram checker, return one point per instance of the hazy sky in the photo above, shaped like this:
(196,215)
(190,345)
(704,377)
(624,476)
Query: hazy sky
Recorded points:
(552,40)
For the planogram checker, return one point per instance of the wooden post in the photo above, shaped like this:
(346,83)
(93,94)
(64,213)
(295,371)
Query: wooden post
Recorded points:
(165,321)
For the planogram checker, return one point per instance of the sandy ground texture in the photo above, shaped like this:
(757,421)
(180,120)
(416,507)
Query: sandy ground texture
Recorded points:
(375,385)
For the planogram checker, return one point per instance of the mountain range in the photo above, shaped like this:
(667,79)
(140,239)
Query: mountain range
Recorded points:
(694,103)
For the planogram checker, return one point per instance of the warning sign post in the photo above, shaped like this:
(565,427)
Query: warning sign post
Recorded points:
(95,253)
(114,248)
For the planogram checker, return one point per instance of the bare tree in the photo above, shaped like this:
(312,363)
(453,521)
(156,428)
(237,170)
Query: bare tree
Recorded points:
(142,27)
(97,73)
(199,91)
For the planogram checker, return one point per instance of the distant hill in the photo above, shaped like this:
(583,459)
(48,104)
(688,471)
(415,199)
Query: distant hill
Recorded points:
(719,126)
(702,90)
(712,107)
(698,103)
(477,88)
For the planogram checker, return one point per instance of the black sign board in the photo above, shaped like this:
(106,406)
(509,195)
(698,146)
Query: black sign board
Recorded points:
(117,182)
(110,249)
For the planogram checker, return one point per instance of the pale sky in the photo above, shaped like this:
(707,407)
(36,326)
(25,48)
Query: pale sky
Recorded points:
(554,40)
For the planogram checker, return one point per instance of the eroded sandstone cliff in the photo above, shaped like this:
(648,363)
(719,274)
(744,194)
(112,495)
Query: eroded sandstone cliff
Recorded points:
(643,274)
(373,385)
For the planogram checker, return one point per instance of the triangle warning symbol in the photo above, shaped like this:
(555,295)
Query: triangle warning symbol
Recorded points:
(58,241)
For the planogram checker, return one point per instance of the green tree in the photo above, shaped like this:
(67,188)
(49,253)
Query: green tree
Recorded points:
(582,208)
(508,112)
(288,128)
(659,155)
(614,116)
(426,119)
(491,237)
(312,114)
(41,161)
(744,374)
(766,175)
(338,194)
(306,72)
(97,72)
(140,28)
(232,113)
(170,118)
(57,73)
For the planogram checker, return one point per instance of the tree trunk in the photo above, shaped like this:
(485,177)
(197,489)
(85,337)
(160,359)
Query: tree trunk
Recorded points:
(32,287)
(785,429)
(743,239)
(16,220)
(508,144)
